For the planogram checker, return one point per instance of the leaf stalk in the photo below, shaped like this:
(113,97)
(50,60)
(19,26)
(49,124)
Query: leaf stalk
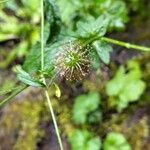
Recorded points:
(125,44)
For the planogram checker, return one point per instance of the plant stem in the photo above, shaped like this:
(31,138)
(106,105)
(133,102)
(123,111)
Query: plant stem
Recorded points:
(42,35)
(9,98)
(54,120)
(43,78)
(6,91)
(124,44)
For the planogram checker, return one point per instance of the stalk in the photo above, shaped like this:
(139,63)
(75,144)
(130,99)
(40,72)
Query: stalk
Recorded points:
(125,44)
(9,98)
(43,78)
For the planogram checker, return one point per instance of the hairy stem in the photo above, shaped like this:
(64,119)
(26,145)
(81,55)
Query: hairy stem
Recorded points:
(124,44)
(44,81)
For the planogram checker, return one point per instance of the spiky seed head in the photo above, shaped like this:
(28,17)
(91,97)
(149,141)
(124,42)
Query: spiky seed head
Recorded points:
(73,63)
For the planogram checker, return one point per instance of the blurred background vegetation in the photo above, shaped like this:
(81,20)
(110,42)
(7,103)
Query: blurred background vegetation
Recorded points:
(108,110)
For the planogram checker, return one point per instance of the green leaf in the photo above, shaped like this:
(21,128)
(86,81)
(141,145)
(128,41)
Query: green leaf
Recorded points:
(95,59)
(27,79)
(68,10)
(32,63)
(116,141)
(126,87)
(80,10)
(95,117)
(93,144)
(53,19)
(116,84)
(46,32)
(84,105)
(129,91)
(103,50)
(84,140)
(117,12)
(92,28)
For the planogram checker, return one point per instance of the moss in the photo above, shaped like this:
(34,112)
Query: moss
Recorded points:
(135,131)
(138,134)
(21,125)
(30,132)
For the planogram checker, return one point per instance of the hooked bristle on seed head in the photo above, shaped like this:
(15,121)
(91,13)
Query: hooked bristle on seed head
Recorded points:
(73,63)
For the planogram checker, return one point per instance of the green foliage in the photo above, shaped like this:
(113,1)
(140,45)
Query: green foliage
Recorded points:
(85,108)
(21,24)
(52,49)
(126,87)
(92,28)
(81,10)
(53,20)
(103,50)
(52,27)
(95,59)
(117,12)
(84,140)
(27,79)
(28,8)
(32,63)
(100,16)
(86,33)
(116,141)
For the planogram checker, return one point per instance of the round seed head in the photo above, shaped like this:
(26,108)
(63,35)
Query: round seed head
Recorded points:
(73,63)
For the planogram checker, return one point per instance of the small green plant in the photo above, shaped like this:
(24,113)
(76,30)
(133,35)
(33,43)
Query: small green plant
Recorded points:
(72,55)
(127,86)
(84,140)
(85,109)
(116,141)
